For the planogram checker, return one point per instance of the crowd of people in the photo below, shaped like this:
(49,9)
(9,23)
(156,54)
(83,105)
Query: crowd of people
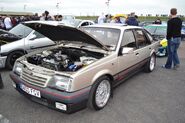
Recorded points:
(131,19)
(7,22)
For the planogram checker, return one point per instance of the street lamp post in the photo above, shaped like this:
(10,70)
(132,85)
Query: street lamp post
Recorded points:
(24,7)
(2,8)
(57,6)
(107,3)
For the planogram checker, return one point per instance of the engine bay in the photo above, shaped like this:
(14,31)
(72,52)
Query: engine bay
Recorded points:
(64,59)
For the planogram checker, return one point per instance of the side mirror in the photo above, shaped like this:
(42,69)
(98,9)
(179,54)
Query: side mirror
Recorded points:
(127,50)
(155,37)
(32,37)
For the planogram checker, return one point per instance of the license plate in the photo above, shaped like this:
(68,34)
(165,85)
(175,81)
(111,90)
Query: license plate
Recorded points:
(30,91)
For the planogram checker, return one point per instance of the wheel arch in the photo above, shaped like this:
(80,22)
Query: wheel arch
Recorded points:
(21,50)
(103,73)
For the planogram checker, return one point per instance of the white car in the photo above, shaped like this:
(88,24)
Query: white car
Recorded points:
(77,22)
(18,41)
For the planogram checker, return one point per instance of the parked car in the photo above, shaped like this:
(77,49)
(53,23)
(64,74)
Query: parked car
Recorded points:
(19,41)
(85,67)
(145,23)
(77,22)
(183,31)
(159,31)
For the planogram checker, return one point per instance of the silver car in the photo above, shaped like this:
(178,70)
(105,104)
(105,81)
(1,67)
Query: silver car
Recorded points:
(19,41)
(85,67)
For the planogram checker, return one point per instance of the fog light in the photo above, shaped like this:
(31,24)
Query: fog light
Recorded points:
(14,85)
(61,106)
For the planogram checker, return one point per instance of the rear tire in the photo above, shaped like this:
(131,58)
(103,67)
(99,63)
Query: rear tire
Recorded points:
(100,93)
(12,57)
(150,65)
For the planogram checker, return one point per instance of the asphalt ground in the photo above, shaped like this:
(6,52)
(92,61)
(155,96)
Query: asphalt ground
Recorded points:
(157,97)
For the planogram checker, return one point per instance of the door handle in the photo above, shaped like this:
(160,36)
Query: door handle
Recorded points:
(32,47)
(137,54)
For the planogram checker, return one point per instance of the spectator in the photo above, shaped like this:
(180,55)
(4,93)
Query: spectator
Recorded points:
(46,15)
(8,23)
(14,21)
(174,26)
(35,17)
(101,19)
(2,26)
(157,21)
(107,18)
(58,17)
(42,18)
(132,20)
(117,20)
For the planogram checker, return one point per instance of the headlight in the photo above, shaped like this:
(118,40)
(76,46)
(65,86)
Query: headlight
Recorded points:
(18,68)
(60,82)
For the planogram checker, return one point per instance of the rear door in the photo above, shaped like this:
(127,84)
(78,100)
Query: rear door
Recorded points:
(144,47)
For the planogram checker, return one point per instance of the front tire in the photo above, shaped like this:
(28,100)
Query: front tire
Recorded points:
(12,57)
(100,93)
(150,65)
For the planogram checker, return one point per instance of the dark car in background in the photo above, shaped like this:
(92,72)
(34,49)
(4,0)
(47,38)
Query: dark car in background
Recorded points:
(183,31)
(145,23)
(160,31)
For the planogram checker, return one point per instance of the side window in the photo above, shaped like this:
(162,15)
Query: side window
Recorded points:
(128,39)
(140,38)
(149,37)
(85,24)
(38,35)
(90,23)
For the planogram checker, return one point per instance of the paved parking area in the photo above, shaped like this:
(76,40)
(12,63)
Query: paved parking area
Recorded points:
(158,97)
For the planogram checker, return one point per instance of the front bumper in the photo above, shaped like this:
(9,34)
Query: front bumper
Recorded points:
(73,101)
(2,61)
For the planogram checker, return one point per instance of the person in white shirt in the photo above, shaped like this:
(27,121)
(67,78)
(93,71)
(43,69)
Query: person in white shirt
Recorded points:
(8,23)
(101,19)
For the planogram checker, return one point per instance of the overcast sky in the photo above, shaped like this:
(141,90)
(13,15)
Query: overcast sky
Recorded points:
(94,7)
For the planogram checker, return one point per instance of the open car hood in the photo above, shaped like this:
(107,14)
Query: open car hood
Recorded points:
(58,32)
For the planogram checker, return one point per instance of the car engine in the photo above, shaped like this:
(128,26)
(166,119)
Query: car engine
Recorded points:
(64,59)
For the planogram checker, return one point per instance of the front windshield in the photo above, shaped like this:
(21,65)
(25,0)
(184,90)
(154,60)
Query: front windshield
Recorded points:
(107,36)
(157,30)
(161,31)
(73,23)
(150,29)
(21,30)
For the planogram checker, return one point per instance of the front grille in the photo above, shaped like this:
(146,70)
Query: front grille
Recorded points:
(34,78)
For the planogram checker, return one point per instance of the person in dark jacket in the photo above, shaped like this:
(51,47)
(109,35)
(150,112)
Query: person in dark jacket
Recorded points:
(132,20)
(174,26)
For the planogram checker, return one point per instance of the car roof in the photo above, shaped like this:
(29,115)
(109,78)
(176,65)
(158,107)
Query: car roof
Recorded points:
(115,26)
(156,25)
